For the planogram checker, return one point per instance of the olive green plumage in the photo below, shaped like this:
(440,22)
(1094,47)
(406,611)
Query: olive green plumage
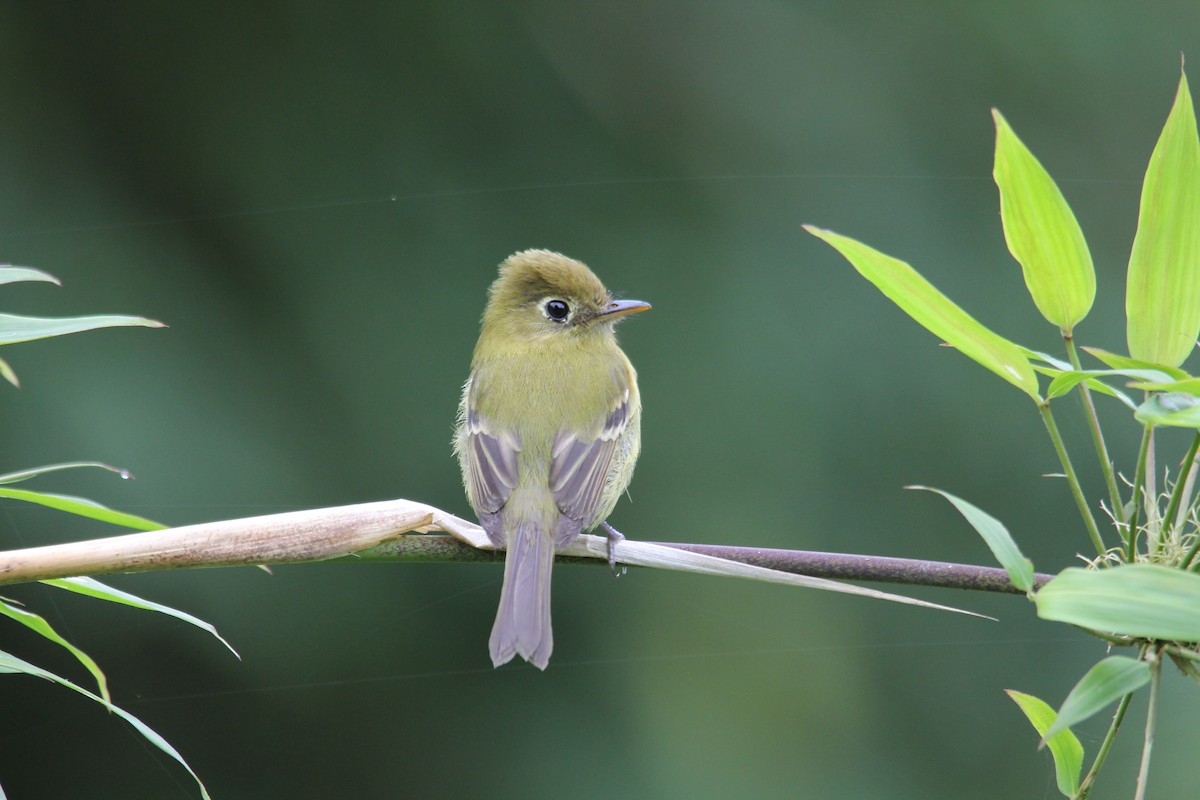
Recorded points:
(548,429)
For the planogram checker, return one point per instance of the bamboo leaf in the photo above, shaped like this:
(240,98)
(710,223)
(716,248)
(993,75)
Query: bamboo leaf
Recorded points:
(997,538)
(15,328)
(1104,684)
(1046,358)
(918,298)
(1066,381)
(7,373)
(648,554)
(1162,299)
(1104,388)
(33,472)
(12,664)
(94,588)
(83,507)
(1094,385)
(1143,600)
(1175,409)
(11,274)
(1186,386)
(39,625)
(1053,367)
(1116,361)
(1064,745)
(1042,233)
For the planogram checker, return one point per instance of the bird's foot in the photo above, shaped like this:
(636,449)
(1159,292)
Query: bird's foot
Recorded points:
(614,536)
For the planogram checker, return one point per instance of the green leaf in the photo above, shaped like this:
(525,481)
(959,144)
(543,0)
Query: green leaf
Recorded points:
(1186,386)
(1037,355)
(75,505)
(39,625)
(937,313)
(1126,363)
(997,538)
(1162,298)
(1105,683)
(1057,389)
(83,507)
(1143,600)
(7,373)
(1067,381)
(11,274)
(1064,745)
(1042,233)
(1170,408)
(1104,388)
(1053,368)
(94,588)
(14,328)
(33,472)
(10,663)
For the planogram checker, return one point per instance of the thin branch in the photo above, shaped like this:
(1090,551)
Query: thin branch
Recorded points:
(294,537)
(1181,486)
(1093,419)
(426,548)
(404,531)
(1191,555)
(1089,521)
(1151,720)
(1139,480)
(302,536)
(884,569)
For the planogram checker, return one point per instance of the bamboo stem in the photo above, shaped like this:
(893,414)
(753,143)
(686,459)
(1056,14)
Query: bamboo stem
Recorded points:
(402,531)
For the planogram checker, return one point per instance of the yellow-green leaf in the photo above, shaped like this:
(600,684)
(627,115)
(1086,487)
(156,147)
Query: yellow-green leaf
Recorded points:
(1162,299)
(1066,381)
(921,300)
(1125,362)
(1042,233)
(84,508)
(1186,386)
(1176,409)
(1064,745)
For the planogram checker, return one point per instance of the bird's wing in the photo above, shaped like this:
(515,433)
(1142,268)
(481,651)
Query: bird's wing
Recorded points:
(580,463)
(491,468)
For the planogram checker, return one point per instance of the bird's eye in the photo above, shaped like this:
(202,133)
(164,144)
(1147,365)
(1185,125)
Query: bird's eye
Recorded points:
(557,310)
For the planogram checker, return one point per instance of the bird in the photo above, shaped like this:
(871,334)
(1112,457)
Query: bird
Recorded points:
(548,431)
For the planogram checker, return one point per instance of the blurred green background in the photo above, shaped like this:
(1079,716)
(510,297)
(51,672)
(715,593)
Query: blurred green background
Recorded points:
(315,196)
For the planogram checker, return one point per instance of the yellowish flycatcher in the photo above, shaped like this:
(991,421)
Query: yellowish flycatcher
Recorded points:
(548,430)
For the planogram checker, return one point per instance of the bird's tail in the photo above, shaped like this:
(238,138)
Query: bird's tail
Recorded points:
(523,621)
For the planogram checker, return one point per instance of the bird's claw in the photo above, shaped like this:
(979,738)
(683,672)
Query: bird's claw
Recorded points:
(613,536)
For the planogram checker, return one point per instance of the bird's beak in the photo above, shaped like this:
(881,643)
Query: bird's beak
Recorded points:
(621,308)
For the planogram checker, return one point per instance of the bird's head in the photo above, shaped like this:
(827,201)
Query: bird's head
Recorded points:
(542,295)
